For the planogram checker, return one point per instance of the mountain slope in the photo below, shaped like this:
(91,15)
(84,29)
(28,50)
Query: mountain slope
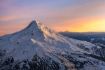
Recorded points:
(38,48)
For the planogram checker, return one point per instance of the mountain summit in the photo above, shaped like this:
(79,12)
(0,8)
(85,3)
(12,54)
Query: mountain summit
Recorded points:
(35,31)
(38,31)
(33,25)
(37,47)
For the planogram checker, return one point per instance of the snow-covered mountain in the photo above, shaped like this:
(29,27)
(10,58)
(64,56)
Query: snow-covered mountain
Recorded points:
(38,48)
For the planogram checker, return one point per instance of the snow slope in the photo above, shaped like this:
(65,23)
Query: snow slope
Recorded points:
(37,39)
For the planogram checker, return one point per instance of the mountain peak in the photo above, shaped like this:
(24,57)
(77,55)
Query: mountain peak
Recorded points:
(33,24)
(34,30)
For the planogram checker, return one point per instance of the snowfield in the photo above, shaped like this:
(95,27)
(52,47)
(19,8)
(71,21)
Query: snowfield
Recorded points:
(38,48)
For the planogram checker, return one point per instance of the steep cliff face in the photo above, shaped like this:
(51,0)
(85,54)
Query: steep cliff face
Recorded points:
(38,48)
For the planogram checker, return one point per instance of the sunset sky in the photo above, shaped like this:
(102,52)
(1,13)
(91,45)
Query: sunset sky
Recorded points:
(59,15)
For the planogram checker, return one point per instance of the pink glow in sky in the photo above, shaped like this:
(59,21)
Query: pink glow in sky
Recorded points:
(60,15)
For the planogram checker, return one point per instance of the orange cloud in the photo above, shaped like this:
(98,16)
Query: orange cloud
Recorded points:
(93,24)
(77,25)
(11,27)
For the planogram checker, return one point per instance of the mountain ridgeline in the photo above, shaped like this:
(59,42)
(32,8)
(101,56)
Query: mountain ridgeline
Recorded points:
(37,47)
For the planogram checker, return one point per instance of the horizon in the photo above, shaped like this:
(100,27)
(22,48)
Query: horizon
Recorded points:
(51,29)
(26,25)
(60,15)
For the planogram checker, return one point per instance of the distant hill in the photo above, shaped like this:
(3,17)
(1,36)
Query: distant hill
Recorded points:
(93,37)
